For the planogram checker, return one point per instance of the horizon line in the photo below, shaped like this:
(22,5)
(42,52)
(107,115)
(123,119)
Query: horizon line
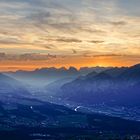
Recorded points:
(67,68)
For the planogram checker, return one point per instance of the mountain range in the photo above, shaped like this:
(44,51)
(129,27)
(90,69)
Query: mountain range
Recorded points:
(117,86)
(11,87)
(44,76)
(111,85)
(24,115)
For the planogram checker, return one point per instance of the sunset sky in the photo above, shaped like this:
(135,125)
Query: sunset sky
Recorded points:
(46,33)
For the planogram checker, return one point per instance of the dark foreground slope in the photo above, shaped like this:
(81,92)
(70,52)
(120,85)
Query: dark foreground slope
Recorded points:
(32,119)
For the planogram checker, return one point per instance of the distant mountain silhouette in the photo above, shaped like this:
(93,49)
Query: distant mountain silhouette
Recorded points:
(44,76)
(22,112)
(115,86)
(118,86)
(114,72)
(97,69)
(55,87)
(133,73)
(11,87)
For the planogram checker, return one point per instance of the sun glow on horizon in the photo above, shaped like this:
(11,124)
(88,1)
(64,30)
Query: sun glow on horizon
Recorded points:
(68,62)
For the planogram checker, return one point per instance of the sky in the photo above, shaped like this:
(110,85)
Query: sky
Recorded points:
(47,33)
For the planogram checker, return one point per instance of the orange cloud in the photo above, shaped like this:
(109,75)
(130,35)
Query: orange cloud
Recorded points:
(67,61)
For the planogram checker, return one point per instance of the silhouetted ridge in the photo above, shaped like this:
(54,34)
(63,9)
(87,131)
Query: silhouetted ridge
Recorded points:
(91,75)
(102,76)
(117,86)
(72,69)
(10,86)
(132,73)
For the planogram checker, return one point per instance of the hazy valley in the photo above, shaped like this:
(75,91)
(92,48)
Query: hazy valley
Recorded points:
(90,100)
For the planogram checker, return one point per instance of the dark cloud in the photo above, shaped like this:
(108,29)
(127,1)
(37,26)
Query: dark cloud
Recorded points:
(61,39)
(103,55)
(2,55)
(96,31)
(61,19)
(108,55)
(69,27)
(39,19)
(26,57)
(74,51)
(36,56)
(96,41)
(10,40)
(69,40)
(45,45)
(14,41)
(118,23)
(49,47)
